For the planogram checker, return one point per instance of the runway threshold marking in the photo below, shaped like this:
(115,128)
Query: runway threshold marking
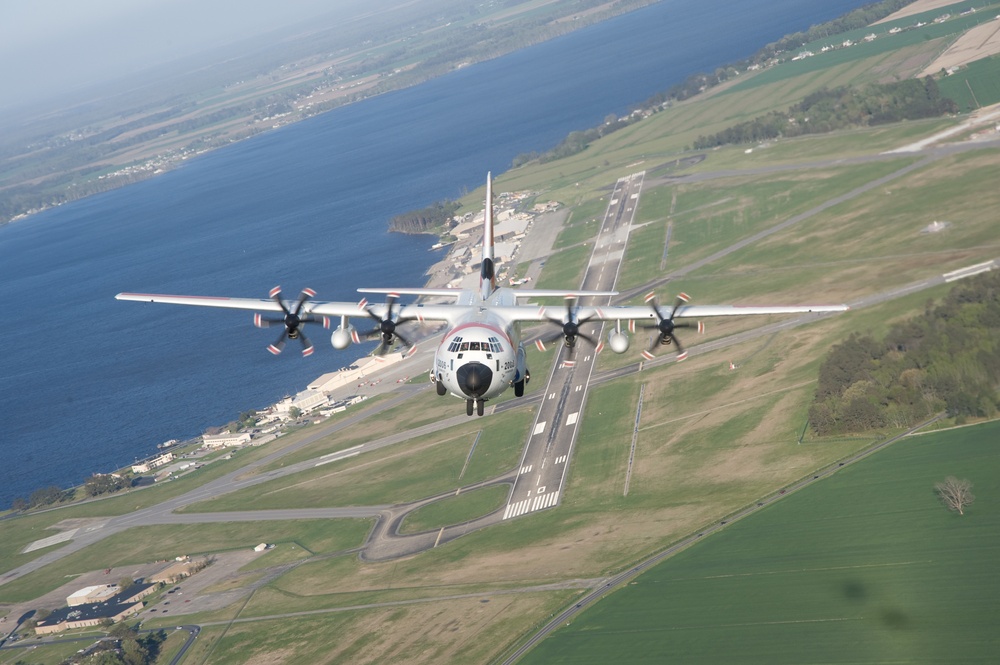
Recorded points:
(539,502)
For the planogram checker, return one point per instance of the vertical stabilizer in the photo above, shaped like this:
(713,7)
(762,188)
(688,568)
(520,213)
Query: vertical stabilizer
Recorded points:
(487,272)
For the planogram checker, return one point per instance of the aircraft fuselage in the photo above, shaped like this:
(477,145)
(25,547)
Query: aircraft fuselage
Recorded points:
(481,355)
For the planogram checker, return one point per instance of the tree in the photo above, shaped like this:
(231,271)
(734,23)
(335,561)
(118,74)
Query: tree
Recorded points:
(955,494)
(294,413)
(125,583)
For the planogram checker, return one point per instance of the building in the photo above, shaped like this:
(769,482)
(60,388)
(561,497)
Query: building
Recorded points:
(92,594)
(177,571)
(146,465)
(115,608)
(227,440)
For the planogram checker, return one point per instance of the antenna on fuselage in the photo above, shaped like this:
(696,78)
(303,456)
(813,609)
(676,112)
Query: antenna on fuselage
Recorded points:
(487,272)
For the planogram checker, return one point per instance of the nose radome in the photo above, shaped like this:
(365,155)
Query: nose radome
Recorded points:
(474,379)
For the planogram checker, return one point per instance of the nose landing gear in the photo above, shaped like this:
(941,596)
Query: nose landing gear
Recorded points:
(479,404)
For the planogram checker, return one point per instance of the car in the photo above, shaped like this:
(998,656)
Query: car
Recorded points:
(759,504)
(781,492)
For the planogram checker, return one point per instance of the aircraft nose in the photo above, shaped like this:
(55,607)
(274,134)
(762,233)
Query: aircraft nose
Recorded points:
(474,379)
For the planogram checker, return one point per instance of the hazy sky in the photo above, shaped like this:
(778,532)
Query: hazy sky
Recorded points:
(52,45)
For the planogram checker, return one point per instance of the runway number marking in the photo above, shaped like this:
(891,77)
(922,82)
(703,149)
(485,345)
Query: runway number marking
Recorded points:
(560,459)
(526,469)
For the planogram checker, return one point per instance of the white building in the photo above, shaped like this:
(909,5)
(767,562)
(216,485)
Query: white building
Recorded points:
(227,440)
(146,465)
(307,400)
(92,594)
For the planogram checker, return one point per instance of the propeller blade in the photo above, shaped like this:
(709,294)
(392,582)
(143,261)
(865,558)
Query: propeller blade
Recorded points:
(303,297)
(263,322)
(277,347)
(307,347)
(275,295)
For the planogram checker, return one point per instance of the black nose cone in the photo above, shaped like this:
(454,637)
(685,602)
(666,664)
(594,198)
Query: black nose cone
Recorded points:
(474,379)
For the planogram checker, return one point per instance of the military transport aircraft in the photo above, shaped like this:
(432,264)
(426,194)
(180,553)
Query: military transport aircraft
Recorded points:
(481,354)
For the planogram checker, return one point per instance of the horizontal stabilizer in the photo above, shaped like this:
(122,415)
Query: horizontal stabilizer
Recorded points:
(554,293)
(454,293)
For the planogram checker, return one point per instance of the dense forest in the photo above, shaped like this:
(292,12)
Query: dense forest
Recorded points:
(828,110)
(947,359)
(425,220)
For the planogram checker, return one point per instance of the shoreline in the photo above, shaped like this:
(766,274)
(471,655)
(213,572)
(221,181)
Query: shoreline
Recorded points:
(148,164)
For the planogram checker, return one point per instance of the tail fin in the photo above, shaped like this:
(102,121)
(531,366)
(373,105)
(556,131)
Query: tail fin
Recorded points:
(487,272)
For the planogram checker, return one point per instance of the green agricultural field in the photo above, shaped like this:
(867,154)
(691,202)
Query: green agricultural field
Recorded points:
(975,85)
(866,566)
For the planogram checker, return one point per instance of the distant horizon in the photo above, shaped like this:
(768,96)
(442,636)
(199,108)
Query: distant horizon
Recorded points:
(72,47)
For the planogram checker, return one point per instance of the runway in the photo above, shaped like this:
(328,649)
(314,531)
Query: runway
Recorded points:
(541,475)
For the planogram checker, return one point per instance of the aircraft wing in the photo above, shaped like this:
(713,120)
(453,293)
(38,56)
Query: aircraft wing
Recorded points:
(314,308)
(252,304)
(638,313)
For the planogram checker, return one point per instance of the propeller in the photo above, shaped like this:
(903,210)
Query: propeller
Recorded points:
(386,328)
(292,321)
(665,326)
(569,329)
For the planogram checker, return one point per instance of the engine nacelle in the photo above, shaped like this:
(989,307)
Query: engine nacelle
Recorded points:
(618,341)
(344,336)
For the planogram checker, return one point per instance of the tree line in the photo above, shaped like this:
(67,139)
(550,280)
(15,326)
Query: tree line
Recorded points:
(578,141)
(947,359)
(425,220)
(701,81)
(847,106)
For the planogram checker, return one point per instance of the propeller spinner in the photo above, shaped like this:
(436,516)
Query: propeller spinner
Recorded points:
(292,321)
(569,329)
(665,326)
(386,328)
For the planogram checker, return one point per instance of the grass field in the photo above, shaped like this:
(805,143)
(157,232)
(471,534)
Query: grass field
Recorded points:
(864,567)
(162,542)
(416,469)
(456,510)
